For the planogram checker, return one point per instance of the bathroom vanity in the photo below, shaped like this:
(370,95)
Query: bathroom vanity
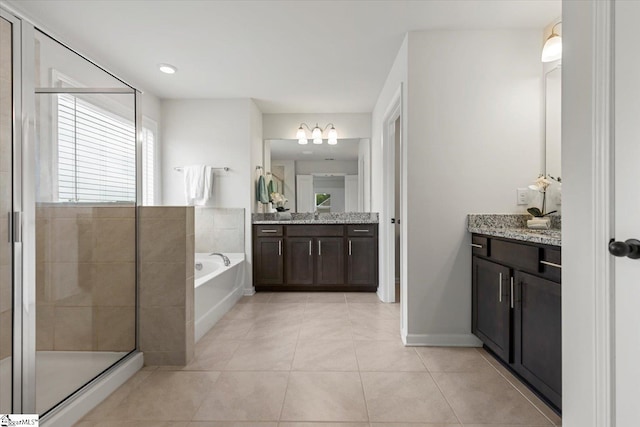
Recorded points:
(336,252)
(516,302)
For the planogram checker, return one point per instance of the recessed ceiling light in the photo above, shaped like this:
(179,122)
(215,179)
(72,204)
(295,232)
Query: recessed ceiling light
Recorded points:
(329,158)
(167,68)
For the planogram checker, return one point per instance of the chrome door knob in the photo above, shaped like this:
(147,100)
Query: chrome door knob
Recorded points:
(629,248)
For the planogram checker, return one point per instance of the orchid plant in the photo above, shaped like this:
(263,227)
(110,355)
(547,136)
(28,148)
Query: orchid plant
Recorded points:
(279,201)
(541,184)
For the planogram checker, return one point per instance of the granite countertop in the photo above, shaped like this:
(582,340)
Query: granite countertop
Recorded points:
(323,218)
(513,226)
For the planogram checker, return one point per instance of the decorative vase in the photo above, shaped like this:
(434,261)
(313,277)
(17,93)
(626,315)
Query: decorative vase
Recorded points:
(539,223)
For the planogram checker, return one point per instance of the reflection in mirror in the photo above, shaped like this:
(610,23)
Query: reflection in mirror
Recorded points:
(304,172)
(553,134)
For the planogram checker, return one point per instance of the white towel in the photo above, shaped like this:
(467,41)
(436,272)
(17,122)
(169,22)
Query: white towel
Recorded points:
(198,184)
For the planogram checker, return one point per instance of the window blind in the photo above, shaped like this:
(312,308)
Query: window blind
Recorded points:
(97,154)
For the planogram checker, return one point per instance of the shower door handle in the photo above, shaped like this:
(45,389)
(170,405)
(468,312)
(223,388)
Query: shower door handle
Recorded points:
(15,227)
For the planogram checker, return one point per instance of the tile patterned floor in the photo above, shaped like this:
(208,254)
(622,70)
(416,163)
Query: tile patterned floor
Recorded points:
(321,360)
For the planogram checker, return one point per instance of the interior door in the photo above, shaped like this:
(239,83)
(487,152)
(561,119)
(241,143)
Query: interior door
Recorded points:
(627,212)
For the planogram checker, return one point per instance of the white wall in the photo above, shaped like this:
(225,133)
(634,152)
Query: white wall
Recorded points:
(472,136)
(217,132)
(307,167)
(348,125)
(579,317)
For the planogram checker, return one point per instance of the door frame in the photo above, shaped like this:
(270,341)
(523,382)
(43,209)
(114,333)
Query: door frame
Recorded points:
(386,288)
(588,275)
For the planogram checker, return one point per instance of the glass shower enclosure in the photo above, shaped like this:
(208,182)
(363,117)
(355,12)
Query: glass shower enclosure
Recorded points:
(69,186)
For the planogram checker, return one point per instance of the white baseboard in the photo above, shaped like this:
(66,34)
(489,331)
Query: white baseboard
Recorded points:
(441,340)
(77,407)
(249,291)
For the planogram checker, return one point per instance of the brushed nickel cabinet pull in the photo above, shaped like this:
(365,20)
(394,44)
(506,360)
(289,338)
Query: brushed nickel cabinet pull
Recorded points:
(349,247)
(500,289)
(360,231)
(309,247)
(269,231)
(319,247)
(551,264)
(511,292)
(475,245)
(280,247)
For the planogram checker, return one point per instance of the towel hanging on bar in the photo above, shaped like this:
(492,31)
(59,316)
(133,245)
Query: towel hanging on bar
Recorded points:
(198,184)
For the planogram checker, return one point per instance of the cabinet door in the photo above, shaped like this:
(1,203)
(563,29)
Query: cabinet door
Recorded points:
(362,266)
(491,306)
(330,261)
(538,334)
(299,263)
(269,261)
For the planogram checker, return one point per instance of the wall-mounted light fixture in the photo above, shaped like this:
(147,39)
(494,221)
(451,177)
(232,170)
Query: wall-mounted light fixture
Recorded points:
(552,49)
(316,134)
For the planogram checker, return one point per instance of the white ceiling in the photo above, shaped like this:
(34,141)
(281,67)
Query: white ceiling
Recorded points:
(289,149)
(290,56)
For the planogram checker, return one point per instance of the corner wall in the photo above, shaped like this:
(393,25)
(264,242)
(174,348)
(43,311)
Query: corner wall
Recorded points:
(471,135)
(219,133)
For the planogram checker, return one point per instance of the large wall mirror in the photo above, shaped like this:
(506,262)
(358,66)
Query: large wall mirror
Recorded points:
(321,177)
(553,119)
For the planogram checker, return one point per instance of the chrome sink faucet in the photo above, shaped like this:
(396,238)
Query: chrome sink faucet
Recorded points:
(225,259)
(316,214)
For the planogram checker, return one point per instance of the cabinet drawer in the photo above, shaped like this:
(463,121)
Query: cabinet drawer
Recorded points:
(551,264)
(361,230)
(479,245)
(268,230)
(315,230)
(516,254)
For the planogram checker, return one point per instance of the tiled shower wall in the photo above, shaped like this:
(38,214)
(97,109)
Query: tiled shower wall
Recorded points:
(219,230)
(166,284)
(85,278)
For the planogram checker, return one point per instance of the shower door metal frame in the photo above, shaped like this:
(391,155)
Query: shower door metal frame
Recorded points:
(23,231)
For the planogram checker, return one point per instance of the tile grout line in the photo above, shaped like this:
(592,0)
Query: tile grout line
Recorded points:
(455,414)
(517,389)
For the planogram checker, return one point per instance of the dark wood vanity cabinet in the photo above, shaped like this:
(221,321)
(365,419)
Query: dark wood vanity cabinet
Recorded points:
(516,309)
(491,305)
(268,260)
(319,257)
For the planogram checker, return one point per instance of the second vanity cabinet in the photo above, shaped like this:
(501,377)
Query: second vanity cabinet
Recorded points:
(323,257)
(517,309)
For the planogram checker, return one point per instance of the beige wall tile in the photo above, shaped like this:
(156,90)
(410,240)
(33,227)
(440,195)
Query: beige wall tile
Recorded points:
(6,290)
(165,358)
(45,326)
(163,212)
(5,334)
(115,240)
(190,218)
(115,212)
(190,301)
(115,328)
(70,211)
(71,240)
(162,284)
(71,283)
(114,284)
(190,347)
(162,329)
(162,240)
(73,328)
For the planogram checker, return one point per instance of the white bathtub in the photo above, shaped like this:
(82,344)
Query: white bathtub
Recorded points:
(217,289)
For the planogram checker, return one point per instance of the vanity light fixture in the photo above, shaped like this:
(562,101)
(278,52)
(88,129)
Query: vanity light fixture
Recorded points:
(167,68)
(552,49)
(316,134)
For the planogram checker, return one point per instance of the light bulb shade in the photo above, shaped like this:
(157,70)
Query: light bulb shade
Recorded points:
(333,133)
(332,141)
(301,134)
(552,49)
(303,141)
(316,133)
(317,140)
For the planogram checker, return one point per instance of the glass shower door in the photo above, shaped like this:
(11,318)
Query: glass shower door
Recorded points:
(83,205)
